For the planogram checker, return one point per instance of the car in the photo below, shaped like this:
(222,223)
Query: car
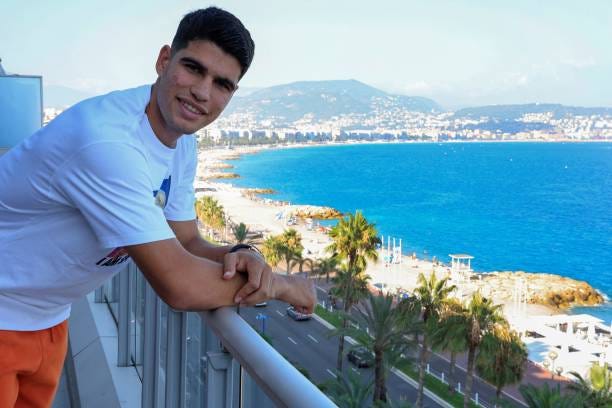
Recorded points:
(360,356)
(295,315)
(262,304)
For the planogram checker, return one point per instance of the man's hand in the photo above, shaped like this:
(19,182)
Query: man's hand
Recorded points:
(297,291)
(259,287)
(263,284)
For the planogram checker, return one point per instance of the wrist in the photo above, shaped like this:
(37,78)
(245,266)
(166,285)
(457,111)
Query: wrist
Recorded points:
(245,247)
(280,286)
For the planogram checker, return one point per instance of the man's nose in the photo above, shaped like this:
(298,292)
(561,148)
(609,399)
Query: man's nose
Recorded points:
(201,90)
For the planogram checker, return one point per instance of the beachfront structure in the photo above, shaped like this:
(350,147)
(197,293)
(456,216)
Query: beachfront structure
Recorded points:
(392,252)
(564,343)
(519,298)
(461,267)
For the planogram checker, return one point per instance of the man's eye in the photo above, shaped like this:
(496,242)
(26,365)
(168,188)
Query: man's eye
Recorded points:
(225,86)
(191,68)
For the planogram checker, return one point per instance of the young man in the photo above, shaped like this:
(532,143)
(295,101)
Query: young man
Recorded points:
(111,179)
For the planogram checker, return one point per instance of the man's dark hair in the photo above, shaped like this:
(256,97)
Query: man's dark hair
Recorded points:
(221,28)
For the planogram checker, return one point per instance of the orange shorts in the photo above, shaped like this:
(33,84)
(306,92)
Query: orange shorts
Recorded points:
(31,364)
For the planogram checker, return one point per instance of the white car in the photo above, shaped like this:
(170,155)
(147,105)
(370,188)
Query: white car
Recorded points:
(295,315)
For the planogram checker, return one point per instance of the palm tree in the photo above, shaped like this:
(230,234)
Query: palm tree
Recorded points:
(327,265)
(351,287)
(547,397)
(241,234)
(305,261)
(450,335)
(482,316)
(353,240)
(501,358)
(348,392)
(387,326)
(210,212)
(596,390)
(272,249)
(291,247)
(431,294)
(286,246)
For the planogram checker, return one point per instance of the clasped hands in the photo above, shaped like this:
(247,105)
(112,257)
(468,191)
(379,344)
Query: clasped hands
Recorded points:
(263,284)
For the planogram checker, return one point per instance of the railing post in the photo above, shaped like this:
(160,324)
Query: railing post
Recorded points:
(151,352)
(476,398)
(222,374)
(126,296)
(176,359)
(442,377)
(99,294)
(222,380)
(428,372)
(459,387)
(114,287)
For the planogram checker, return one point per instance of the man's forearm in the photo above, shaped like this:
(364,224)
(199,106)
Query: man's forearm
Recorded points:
(198,246)
(185,281)
(188,282)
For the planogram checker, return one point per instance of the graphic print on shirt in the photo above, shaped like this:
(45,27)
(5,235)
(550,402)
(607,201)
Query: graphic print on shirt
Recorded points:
(120,255)
(161,195)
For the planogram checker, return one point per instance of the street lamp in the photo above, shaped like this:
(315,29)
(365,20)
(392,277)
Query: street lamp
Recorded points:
(559,370)
(553,356)
(263,317)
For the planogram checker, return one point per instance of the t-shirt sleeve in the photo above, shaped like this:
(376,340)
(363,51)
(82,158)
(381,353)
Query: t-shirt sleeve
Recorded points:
(181,205)
(109,183)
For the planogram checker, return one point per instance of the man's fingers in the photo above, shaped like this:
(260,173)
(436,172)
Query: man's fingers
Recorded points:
(264,291)
(229,265)
(253,283)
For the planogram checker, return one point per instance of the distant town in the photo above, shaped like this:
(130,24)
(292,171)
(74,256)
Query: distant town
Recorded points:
(399,126)
(409,126)
(349,110)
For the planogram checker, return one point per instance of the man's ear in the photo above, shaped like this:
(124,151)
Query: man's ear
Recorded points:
(163,59)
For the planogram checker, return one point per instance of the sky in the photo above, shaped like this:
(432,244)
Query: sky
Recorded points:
(459,53)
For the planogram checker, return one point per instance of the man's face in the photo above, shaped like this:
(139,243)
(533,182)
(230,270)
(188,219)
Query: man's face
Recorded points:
(195,84)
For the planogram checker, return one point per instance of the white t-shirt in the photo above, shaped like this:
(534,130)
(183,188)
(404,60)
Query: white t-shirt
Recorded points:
(74,193)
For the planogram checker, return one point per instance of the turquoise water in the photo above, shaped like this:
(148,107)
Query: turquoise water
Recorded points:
(537,207)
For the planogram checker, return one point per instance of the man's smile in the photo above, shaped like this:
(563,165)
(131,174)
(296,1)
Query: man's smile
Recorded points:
(192,108)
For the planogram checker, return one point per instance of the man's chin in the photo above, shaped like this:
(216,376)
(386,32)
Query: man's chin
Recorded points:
(190,128)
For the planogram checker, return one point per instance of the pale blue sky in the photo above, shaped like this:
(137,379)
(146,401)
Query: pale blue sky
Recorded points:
(459,52)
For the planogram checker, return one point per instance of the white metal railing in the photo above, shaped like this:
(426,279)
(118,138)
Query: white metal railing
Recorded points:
(208,359)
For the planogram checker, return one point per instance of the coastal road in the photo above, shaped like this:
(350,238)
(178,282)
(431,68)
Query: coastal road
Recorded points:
(308,344)
(439,364)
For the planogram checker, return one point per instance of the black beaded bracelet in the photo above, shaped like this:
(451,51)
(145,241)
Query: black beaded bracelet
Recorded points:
(250,247)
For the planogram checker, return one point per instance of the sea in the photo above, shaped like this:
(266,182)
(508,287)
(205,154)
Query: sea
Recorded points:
(534,207)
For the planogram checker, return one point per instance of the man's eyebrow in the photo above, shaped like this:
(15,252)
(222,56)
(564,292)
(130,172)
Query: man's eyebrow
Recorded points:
(196,64)
(202,68)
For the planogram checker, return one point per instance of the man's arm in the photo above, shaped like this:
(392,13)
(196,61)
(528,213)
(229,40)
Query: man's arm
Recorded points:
(188,235)
(188,282)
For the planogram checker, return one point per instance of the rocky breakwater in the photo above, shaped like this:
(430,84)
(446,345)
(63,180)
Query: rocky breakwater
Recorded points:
(540,288)
(316,212)
(221,175)
(252,192)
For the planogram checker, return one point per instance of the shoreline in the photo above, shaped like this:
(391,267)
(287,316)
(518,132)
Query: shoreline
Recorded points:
(268,216)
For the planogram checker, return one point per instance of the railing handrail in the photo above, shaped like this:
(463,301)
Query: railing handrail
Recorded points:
(280,380)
